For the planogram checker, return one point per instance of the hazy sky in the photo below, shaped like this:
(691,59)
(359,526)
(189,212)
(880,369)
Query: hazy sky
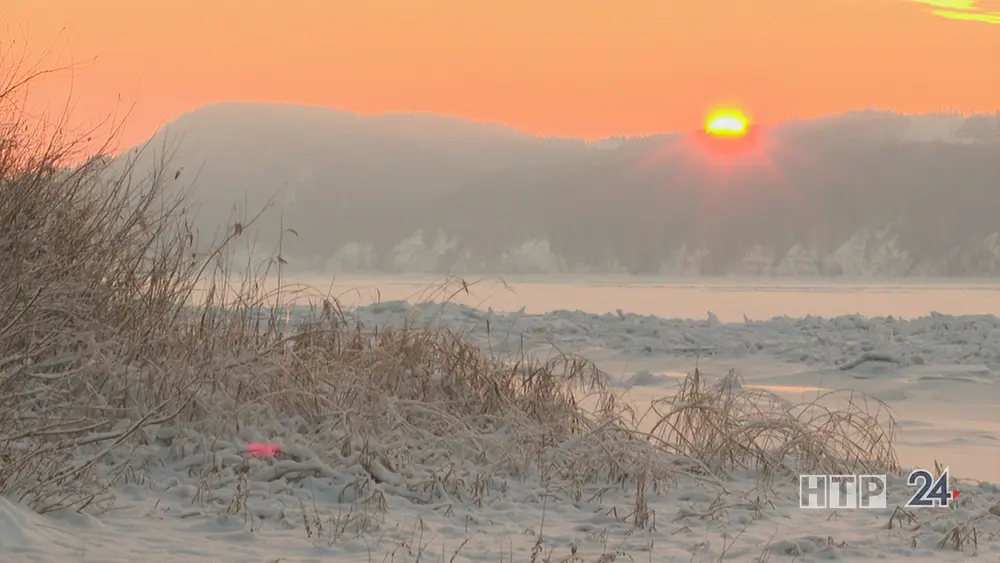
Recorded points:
(588,68)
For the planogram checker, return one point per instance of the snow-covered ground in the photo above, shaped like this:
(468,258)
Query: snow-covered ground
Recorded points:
(940,374)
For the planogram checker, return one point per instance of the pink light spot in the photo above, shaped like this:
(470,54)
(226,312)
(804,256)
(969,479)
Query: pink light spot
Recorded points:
(262,449)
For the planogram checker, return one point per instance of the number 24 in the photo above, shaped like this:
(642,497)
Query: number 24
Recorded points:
(932,492)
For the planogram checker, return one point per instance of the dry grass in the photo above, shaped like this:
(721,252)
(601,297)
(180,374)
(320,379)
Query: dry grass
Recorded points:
(727,425)
(99,340)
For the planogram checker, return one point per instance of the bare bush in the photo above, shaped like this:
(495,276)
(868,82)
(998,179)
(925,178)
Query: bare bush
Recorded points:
(93,272)
(727,425)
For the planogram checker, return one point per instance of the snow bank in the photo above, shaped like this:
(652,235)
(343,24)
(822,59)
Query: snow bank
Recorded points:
(307,514)
(190,496)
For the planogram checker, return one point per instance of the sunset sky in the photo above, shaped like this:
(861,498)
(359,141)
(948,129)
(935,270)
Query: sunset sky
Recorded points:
(588,68)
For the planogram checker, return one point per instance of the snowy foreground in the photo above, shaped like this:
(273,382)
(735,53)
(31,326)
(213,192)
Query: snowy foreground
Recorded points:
(940,375)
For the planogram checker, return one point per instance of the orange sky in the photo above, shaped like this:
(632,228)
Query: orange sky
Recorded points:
(590,68)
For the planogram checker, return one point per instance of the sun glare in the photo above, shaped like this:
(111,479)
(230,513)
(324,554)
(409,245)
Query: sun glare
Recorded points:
(726,123)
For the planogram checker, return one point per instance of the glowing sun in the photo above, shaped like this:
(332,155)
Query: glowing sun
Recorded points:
(727,123)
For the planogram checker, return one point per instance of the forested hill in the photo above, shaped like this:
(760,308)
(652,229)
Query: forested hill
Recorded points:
(859,194)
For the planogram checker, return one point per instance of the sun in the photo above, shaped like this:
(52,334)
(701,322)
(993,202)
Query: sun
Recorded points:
(727,123)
